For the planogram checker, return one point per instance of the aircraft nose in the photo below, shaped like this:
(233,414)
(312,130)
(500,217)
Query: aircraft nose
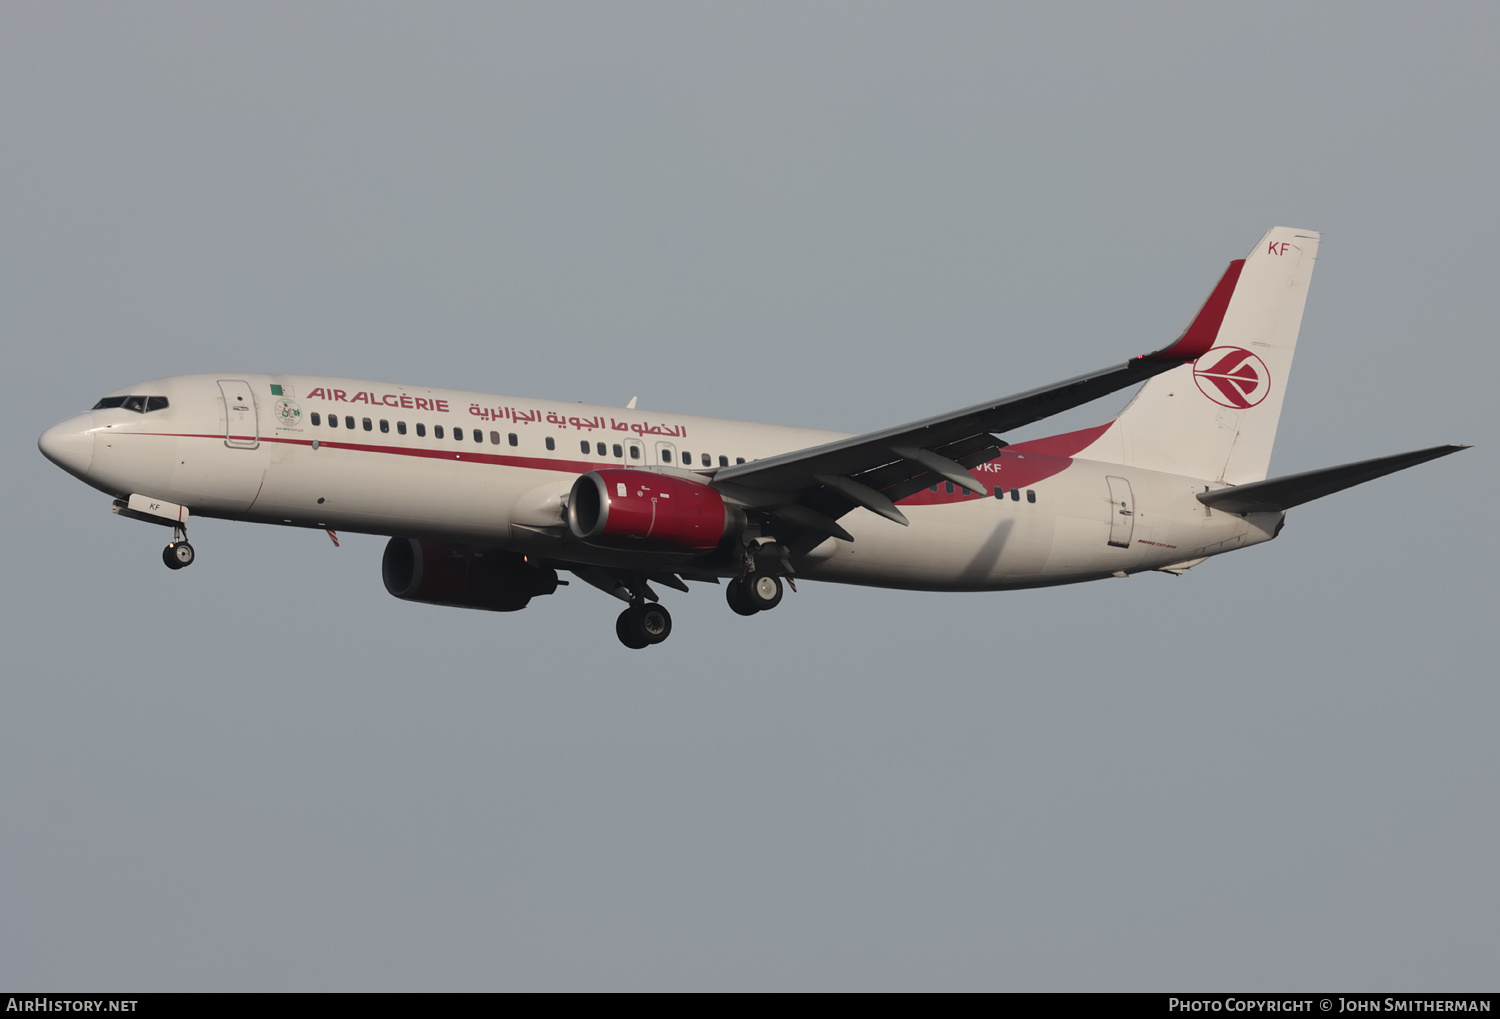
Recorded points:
(70,444)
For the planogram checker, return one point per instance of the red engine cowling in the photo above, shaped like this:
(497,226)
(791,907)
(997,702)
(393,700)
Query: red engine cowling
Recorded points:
(634,508)
(464,576)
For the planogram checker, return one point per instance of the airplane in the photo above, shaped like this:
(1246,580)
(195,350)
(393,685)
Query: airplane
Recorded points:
(485,498)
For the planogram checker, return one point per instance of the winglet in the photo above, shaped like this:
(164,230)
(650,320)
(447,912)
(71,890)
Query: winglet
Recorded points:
(1198,338)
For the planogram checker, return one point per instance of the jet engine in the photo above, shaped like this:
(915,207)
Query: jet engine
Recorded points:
(464,576)
(645,509)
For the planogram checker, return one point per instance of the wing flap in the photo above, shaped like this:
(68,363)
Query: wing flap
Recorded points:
(867,452)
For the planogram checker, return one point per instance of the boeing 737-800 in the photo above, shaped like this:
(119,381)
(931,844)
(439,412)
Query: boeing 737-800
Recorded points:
(486,498)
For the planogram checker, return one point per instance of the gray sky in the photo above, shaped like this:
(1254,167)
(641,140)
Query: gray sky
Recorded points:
(1278,772)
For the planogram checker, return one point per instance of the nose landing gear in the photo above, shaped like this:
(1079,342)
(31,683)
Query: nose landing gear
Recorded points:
(177,555)
(178,552)
(643,625)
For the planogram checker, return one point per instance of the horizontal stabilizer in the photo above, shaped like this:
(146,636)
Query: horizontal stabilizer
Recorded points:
(1295,489)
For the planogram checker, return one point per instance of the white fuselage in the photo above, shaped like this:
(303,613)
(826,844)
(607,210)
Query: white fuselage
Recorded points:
(449,465)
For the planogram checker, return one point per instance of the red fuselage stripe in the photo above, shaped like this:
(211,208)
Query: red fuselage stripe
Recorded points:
(1023,466)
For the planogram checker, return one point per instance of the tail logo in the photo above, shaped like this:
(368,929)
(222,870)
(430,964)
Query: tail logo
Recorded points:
(1232,377)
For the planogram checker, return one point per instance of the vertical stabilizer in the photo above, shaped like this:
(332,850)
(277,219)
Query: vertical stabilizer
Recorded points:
(1216,418)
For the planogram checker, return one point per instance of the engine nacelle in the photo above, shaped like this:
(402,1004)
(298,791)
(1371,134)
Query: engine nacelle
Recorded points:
(463,576)
(638,509)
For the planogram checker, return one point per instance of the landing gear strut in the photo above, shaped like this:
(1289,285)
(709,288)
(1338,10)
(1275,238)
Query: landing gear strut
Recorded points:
(643,625)
(178,552)
(759,592)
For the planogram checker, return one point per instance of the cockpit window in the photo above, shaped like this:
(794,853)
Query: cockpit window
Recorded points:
(139,404)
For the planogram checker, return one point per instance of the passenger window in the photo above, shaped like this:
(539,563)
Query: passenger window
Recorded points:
(948,487)
(619,453)
(708,461)
(458,435)
(583,447)
(1030,495)
(478,435)
(348,420)
(494,438)
(635,452)
(369,427)
(550,443)
(156,403)
(666,456)
(316,420)
(1015,495)
(513,440)
(385,426)
(739,459)
(723,461)
(333,421)
(999,492)
(437,431)
(421,430)
(400,427)
(600,449)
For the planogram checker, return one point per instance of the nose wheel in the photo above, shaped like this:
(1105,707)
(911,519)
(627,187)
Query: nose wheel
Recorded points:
(178,552)
(177,555)
(643,625)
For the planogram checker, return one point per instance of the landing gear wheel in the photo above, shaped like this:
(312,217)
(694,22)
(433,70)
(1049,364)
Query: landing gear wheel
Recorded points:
(628,629)
(177,555)
(734,593)
(642,625)
(655,623)
(763,590)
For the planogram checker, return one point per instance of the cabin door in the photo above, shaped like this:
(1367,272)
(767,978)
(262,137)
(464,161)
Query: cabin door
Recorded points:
(1122,512)
(241,427)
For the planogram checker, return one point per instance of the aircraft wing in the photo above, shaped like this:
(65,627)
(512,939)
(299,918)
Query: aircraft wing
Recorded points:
(806,491)
(1295,489)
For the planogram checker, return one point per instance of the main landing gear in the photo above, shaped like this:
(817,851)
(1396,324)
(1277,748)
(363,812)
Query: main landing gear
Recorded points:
(647,622)
(759,592)
(643,625)
(178,552)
